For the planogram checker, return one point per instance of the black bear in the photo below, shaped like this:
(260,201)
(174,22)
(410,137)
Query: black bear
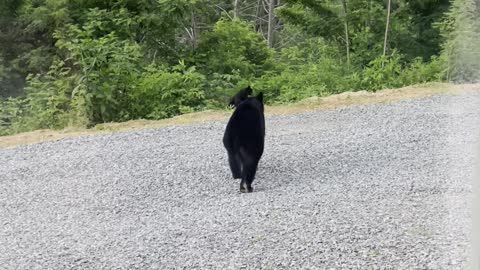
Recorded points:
(240,96)
(244,138)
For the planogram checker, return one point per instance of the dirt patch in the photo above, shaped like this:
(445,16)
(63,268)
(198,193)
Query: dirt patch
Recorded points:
(309,104)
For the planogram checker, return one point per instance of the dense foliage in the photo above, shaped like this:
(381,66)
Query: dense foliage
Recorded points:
(83,62)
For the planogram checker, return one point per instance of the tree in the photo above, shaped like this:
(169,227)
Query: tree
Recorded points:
(271,23)
(317,18)
(461,50)
(233,46)
(387,25)
(347,39)
(235,9)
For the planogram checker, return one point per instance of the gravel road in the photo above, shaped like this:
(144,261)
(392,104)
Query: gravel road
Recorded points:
(363,187)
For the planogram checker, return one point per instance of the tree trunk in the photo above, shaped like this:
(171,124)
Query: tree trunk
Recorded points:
(191,31)
(235,9)
(194,31)
(271,23)
(386,28)
(347,40)
(258,16)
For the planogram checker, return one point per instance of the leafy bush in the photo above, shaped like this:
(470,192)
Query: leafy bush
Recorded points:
(383,72)
(221,87)
(164,92)
(461,49)
(117,87)
(419,71)
(101,79)
(311,69)
(232,46)
(8,109)
(390,72)
(109,67)
(47,103)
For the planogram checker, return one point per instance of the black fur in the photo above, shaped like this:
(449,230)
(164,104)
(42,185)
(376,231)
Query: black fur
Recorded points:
(244,139)
(240,96)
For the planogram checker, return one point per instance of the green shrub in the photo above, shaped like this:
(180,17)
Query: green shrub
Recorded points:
(163,92)
(109,68)
(421,72)
(383,72)
(233,46)
(46,104)
(391,71)
(312,69)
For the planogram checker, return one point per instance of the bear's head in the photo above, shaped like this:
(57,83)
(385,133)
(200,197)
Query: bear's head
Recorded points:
(241,96)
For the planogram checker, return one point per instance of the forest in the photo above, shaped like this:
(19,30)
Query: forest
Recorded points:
(84,62)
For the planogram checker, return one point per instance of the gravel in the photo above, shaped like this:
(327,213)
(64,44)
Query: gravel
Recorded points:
(363,187)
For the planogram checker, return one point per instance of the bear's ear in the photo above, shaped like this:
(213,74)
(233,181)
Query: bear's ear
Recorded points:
(249,90)
(231,102)
(260,97)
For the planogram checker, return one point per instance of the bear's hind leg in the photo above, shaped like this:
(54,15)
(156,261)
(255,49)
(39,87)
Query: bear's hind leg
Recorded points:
(235,166)
(248,174)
